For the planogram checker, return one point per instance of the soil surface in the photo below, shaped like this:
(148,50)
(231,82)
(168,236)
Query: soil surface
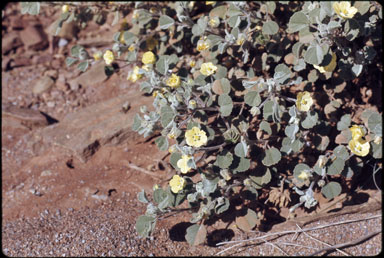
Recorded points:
(78,197)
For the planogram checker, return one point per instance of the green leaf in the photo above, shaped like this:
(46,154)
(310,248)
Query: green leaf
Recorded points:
(291,130)
(209,186)
(314,55)
(298,21)
(362,6)
(221,86)
(300,168)
(159,195)
(352,29)
(241,149)
(234,21)
(377,150)
(165,22)
(136,123)
(270,28)
(129,38)
(174,159)
(252,98)
(226,104)
(75,50)
(263,176)
(83,66)
(32,8)
(282,73)
(142,197)
(162,143)
(331,190)
(375,124)
(344,122)
(224,160)
(247,222)
(218,11)
(167,114)
(162,65)
(341,152)
(272,157)
(336,167)
(310,120)
(196,234)
(222,207)
(221,72)
(266,127)
(297,48)
(268,110)
(145,225)
(70,61)
(240,164)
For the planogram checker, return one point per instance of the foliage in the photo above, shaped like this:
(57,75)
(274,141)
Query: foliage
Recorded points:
(221,77)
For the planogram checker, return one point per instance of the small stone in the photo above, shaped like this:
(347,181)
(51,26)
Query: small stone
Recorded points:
(50,104)
(46,173)
(34,37)
(10,41)
(42,85)
(52,73)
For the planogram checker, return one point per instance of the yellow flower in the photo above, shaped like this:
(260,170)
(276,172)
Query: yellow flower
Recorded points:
(303,175)
(97,55)
(357,132)
(148,58)
(177,183)
(304,101)
(151,43)
(108,57)
(344,9)
(192,63)
(377,140)
(65,8)
(131,48)
(155,187)
(196,137)
(208,69)
(203,44)
(146,67)
(134,76)
(240,41)
(174,81)
(359,147)
(192,104)
(135,15)
(154,93)
(183,164)
(210,2)
(214,22)
(172,149)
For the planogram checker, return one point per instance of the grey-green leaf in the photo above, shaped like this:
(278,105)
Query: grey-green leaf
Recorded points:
(162,143)
(226,104)
(270,28)
(331,190)
(196,234)
(165,22)
(344,122)
(145,225)
(272,157)
(297,22)
(252,98)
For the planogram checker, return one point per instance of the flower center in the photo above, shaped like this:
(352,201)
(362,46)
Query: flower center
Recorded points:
(196,137)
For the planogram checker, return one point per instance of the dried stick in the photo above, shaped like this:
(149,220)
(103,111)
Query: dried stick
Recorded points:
(311,237)
(239,242)
(355,242)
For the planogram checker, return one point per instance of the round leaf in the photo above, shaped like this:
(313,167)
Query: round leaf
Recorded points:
(196,234)
(165,22)
(252,98)
(226,104)
(272,157)
(298,21)
(331,190)
(270,28)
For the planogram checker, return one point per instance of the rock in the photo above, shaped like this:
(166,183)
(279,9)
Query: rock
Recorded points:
(10,41)
(34,37)
(28,117)
(20,61)
(52,73)
(42,85)
(92,76)
(85,131)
